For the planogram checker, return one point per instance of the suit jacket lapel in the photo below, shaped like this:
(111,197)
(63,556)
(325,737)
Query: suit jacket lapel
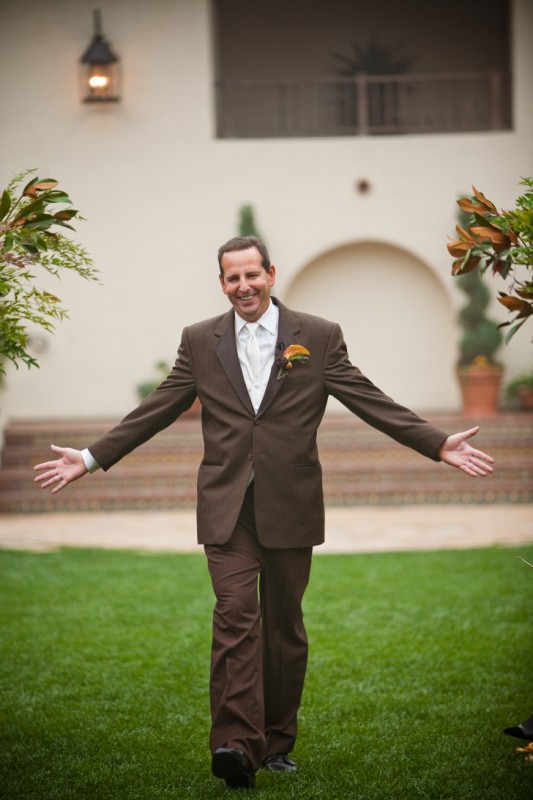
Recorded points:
(226,351)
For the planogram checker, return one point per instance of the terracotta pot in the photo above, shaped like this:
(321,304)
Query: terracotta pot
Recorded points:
(480,388)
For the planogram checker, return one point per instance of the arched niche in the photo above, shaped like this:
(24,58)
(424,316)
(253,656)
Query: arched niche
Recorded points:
(397,319)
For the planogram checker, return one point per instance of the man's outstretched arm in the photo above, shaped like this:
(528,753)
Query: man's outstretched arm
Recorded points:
(458,453)
(58,473)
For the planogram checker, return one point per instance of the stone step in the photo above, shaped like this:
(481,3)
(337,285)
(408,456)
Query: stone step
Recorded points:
(361,467)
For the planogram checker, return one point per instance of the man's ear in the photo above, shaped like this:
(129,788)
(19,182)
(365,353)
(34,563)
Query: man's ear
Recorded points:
(272,275)
(222,284)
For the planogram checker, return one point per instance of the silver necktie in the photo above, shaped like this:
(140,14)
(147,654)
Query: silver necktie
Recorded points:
(252,350)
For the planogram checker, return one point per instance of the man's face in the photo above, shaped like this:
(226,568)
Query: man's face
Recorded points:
(246,283)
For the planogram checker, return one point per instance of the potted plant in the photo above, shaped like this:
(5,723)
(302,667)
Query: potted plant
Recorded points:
(520,390)
(478,371)
(32,219)
(501,242)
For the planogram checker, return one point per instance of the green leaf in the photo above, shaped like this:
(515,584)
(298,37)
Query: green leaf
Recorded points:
(5,204)
(30,208)
(30,184)
(511,333)
(30,248)
(55,196)
(63,224)
(40,222)
(39,204)
(40,243)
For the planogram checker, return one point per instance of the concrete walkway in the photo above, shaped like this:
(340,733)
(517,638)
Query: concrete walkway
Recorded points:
(354,529)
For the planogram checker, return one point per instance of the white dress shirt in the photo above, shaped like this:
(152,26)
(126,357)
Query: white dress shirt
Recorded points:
(266,336)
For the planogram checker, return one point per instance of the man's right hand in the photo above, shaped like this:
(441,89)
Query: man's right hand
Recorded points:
(67,468)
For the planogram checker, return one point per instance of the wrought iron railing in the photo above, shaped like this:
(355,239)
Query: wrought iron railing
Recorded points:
(363,105)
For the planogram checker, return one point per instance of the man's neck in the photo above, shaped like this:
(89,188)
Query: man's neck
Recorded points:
(246,321)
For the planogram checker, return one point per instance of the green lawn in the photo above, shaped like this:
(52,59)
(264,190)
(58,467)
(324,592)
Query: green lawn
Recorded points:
(417,662)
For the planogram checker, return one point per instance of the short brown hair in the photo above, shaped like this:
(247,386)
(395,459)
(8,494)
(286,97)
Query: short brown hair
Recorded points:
(244,243)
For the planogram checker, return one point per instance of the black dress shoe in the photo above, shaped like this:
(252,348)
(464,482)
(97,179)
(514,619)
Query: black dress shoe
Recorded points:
(520,732)
(233,766)
(280,762)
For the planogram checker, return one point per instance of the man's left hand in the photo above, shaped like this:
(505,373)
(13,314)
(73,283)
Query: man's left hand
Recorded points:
(458,453)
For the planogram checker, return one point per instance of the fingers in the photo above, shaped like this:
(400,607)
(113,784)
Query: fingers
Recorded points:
(51,464)
(484,457)
(52,472)
(471,432)
(61,483)
(48,478)
(479,468)
(479,459)
(53,479)
(463,436)
(484,462)
(476,467)
(45,465)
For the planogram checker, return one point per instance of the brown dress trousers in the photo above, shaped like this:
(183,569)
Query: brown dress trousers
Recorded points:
(259,652)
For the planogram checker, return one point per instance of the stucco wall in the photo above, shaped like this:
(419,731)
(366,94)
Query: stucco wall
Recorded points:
(160,193)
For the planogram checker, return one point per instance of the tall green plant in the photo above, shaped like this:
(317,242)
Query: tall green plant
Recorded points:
(481,335)
(247,226)
(31,217)
(503,242)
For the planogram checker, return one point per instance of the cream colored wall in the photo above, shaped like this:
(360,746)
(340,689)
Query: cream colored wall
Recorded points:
(160,193)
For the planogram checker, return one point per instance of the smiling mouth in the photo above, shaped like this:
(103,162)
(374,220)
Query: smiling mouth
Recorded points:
(247,298)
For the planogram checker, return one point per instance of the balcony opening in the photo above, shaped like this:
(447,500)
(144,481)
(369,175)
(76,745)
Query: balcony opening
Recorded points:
(340,68)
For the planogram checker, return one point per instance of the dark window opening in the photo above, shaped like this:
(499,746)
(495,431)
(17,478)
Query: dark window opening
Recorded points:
(341,68)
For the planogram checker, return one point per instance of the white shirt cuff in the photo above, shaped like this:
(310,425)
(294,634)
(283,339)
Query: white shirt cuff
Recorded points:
(90,463)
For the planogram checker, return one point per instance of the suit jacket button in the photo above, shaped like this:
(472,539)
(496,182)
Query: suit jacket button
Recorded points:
(250,456)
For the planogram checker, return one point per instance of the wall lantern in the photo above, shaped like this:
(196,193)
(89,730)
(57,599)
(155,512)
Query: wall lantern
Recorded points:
(99,68)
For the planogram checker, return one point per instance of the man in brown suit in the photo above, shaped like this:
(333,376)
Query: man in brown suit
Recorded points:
(260,504)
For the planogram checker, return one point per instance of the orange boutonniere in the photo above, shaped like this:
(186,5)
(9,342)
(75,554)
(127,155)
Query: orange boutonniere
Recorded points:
(293,353)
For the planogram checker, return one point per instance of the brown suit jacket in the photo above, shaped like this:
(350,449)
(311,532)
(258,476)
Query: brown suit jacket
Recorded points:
(280,440)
